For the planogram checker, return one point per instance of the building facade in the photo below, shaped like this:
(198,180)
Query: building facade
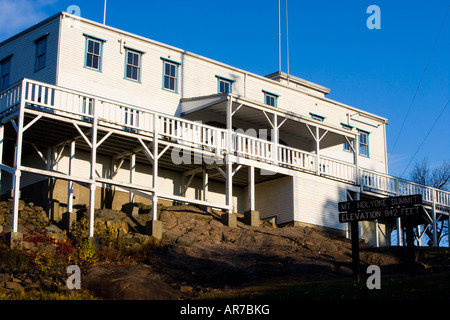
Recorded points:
(99,116)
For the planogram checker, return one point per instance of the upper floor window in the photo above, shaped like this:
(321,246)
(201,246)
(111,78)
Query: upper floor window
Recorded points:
(363,143)
(270,99)
(317,117)
(133,65)
(170,75)
(5,69)
(94,50)
(224,85)
(41,53)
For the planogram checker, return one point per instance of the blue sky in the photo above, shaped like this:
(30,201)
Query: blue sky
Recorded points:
(330,44)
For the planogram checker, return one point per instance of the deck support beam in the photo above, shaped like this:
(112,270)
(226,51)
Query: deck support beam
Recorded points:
(18,162)
(155,170)
(92,186)
(70,182)
(251,188)
(205,184)
(132,174)
(2,141)
(228,163)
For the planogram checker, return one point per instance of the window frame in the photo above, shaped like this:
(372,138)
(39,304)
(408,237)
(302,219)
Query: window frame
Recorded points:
(271,95)
(38,64)
(4,75)
(224,80)
(176,77)
(100,54)
(138,67)
(362,145)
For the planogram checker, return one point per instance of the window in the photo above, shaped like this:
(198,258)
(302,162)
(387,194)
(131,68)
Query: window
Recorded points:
(224,85)
(170,72)
(94,48)
(133,65)
(270,98)
(363,143)
(348,146)
(5,71)
(316,117)
(41,53)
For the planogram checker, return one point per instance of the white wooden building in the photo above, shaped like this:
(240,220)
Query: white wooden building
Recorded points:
(95,115)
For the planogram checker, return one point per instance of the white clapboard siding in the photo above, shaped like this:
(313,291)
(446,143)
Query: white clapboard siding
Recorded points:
(275,198)
(316,201)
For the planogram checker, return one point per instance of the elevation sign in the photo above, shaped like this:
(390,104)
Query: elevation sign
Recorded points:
(392,207)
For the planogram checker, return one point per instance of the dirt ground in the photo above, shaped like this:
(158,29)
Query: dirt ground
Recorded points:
(199,256)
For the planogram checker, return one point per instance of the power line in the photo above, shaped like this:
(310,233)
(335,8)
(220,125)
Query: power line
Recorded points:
(420,82)
(423,141)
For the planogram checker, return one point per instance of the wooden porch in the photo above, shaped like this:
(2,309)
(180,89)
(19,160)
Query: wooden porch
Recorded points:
(91,122)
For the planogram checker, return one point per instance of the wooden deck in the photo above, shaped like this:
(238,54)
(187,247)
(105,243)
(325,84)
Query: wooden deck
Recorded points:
(43,100)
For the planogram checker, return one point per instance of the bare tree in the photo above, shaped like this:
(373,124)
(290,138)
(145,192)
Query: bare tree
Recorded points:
(439,178)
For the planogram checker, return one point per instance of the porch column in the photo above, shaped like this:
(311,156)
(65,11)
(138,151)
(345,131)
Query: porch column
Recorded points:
(377,236)
(317,151)
(18,162)
(132,174)
(275,139)
(92,186)
(251,188)
(155,170)
(355,160)
(70,182)
(230,151)
(433,216)
(2,136)
(205,184)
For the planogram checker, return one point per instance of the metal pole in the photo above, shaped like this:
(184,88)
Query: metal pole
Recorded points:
(104,13)
(279,37)
(287,42)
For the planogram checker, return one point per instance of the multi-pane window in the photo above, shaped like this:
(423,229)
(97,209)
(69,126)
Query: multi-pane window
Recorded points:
(348,146)
(363,143)
(133,65)
(170,75)
(41,53)
(270,99)
(224,85)
(5,69)
(93,54)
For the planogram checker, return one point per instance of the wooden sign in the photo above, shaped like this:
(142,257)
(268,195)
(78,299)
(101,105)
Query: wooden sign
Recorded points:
(381,208)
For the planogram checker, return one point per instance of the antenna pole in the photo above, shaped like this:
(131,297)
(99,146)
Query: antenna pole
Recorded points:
(279,38)
(104,13)
(287,41)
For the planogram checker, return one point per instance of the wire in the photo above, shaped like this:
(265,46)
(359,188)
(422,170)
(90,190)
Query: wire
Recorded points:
(420,82)
(423,141)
